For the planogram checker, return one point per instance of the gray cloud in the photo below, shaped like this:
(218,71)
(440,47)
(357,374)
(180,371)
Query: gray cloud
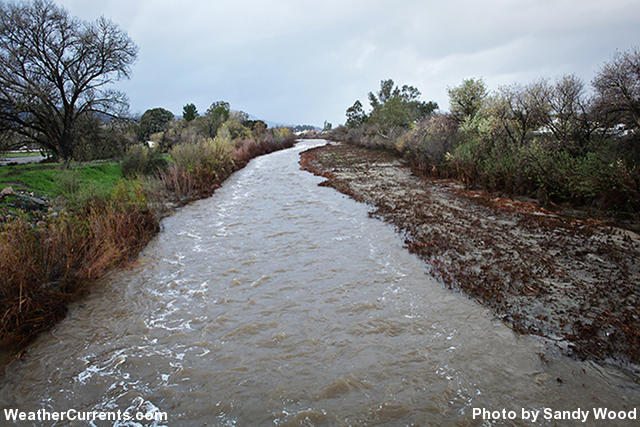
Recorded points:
(303,62)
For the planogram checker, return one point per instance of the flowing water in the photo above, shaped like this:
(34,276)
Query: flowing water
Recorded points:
(278,302)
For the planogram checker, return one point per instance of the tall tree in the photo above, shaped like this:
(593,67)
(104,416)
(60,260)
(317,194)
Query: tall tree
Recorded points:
(8,141)
(565,110)
(618,89)
(396,107)
(518,110)
(355,115)
(189,112)
(55,68)
(218,113)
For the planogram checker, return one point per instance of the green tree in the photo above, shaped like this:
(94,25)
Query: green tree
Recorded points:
(467,99)
(189,112)
(235,129)
(56,69)
(302,128)
(218,113)
(154,120)
(240,116)
(355,115)
(258,127)
(395,107)
(327,126)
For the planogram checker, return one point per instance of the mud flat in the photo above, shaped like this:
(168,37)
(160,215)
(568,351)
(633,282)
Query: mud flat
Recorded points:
(574,282)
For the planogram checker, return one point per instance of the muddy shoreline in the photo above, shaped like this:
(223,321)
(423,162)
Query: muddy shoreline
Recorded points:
(574,282)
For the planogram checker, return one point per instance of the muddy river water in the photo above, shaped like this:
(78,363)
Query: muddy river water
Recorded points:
(278,302)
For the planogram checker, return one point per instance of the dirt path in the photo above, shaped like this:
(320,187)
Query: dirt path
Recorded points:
(574,282)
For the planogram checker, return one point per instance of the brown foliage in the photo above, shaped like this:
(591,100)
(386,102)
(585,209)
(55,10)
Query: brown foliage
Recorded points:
(46,267)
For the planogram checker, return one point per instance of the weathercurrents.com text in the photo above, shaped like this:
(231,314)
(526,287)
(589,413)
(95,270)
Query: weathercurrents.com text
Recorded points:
(16,415)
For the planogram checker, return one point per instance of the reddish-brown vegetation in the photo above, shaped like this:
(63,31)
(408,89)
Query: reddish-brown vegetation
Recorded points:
(46,265)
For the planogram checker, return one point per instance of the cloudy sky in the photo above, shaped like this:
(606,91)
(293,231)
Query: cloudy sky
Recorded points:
(299,61)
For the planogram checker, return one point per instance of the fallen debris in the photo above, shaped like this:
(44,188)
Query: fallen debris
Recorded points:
(576,282)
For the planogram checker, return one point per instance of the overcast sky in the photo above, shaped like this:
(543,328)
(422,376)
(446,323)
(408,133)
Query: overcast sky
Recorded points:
(298,61)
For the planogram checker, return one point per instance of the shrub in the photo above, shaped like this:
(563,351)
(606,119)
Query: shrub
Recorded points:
(77,194)
(245,150)
(141,160)
(129,194)
(198,169)
(45,267)
(68,182)
(608,181)
(270,141)
(208,156)
(427,143)
(461,163)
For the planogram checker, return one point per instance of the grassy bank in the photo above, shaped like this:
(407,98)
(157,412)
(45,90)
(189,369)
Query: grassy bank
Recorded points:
(56,186)
(49,178)
(97,216)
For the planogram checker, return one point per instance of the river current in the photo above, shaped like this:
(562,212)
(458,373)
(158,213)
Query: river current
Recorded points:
(278,302)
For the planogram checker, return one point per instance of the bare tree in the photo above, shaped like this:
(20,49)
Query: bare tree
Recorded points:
(618,90)
(571,111)
(519,110)
(54,69)
(565,110)
(7,141)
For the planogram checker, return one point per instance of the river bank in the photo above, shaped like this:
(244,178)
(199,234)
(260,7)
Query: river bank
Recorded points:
(278,302)
(52,255)
(574,282)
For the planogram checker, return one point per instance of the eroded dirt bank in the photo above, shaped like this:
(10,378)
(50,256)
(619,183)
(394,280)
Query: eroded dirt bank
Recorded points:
(574,282)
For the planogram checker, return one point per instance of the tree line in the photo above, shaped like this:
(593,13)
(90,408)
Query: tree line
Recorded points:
(56,90)
(559,141)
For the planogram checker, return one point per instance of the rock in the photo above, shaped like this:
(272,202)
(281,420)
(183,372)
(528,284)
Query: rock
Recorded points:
(7,191)
(28,203)
(37,201)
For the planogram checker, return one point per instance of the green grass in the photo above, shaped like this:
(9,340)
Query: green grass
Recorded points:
(48,178)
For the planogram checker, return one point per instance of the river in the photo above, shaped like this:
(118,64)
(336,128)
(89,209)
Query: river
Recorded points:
(278,302)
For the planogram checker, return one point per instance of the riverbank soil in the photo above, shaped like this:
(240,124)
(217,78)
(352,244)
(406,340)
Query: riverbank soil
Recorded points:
(576,282)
